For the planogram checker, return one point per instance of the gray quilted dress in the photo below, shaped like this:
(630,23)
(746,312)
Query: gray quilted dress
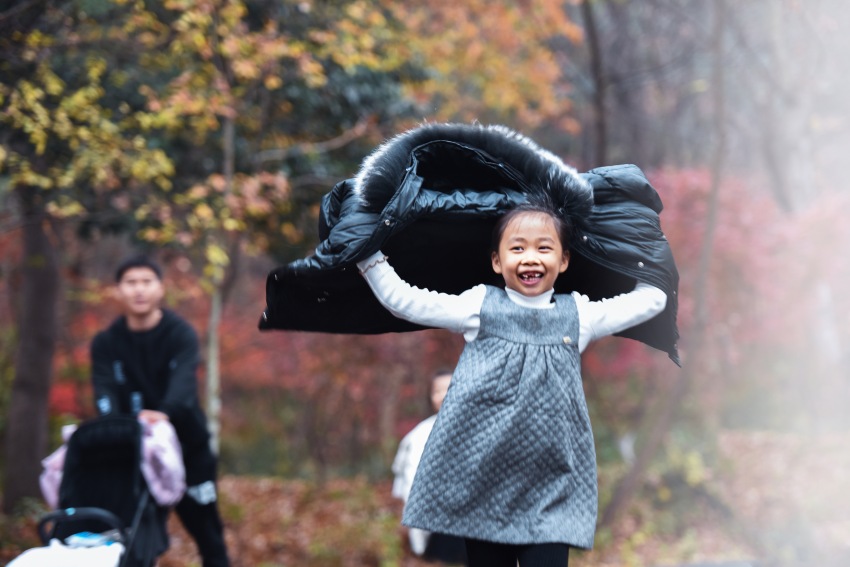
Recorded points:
(511,456)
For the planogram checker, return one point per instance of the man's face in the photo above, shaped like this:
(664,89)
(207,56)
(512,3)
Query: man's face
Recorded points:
(140,291)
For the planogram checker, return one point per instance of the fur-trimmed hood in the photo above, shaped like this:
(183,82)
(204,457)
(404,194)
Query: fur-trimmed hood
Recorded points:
(429,198)
(547,179)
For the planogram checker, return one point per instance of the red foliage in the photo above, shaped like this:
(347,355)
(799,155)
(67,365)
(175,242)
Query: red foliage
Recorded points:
(63,399)
(777,286)
(776,293)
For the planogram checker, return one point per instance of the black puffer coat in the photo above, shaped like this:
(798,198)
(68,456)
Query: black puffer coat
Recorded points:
(429,199)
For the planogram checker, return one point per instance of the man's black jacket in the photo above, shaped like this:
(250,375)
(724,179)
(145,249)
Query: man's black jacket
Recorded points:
(429,198)
(158,369)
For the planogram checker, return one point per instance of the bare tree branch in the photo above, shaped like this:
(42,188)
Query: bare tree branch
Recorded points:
(357,131)
(19,9)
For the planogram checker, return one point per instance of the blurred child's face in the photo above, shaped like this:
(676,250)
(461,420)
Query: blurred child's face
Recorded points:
(439,387)
(530,254)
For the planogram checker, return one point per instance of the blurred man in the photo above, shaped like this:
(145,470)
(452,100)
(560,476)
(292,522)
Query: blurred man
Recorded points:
(145,364)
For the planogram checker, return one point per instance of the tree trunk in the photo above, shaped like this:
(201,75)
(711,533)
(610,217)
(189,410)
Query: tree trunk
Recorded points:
(600,85)
(26,435)
(213,370)
(220,285)
(670,403)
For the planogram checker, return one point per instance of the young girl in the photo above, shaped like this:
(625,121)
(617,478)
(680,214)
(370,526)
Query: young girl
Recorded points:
(510,464)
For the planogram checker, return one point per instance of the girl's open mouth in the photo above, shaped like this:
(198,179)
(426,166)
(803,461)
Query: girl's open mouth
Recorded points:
(531,277)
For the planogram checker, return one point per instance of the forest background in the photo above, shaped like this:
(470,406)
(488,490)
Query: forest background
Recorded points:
(205,132)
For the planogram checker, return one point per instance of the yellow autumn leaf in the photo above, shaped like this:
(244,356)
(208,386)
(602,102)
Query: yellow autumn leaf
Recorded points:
(216,255)
(290,231)
(52,83)
(65,209)
(272,82)
(231,224)
(199,40)
(198,192)
(204,211)
(27,176)
(39,139)
(356,10)
(149,234)
(95,67)
(246,69)
(139,170)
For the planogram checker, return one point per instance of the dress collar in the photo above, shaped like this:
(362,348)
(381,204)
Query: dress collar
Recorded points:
(542,301)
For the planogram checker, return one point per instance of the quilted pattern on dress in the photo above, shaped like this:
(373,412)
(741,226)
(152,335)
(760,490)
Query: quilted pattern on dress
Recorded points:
(511,457)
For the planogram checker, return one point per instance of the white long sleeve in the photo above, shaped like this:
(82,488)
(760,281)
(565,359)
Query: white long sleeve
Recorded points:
(614,314)
(461,313)
(457,313)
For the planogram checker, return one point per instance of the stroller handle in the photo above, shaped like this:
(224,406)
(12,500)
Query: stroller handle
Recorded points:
(48,524)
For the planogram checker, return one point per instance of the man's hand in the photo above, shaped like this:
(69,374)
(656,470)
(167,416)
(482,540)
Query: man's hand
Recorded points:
(152,416)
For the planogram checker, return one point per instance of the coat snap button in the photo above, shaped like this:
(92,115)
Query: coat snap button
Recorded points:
(567,340)
(584,238)
(387,222)
(640,264)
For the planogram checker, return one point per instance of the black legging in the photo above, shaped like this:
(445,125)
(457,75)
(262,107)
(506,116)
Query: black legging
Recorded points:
(489,554)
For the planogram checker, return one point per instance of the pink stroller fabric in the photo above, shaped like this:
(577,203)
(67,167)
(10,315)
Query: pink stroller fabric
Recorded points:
(162,464)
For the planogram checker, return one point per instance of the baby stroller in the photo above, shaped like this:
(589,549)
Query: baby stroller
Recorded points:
(103,490)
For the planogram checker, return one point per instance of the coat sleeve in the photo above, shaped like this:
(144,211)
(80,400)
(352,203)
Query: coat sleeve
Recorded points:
(622,243)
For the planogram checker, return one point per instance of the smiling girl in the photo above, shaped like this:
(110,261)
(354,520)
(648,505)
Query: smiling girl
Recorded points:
(510,464)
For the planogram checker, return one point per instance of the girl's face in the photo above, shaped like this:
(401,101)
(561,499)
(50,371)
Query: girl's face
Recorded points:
(530,254)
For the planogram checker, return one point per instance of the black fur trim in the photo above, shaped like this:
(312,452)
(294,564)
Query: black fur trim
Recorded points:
(552,183)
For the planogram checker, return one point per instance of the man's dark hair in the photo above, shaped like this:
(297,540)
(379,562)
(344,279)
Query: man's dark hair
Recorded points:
(140,261)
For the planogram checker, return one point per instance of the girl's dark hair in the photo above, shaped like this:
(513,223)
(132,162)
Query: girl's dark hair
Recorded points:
(137,262)
(563,226)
